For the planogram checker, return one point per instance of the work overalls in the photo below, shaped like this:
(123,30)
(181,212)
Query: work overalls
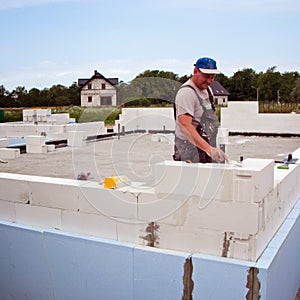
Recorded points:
(207,129)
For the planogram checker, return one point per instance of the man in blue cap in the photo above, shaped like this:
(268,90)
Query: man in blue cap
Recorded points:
(196,122)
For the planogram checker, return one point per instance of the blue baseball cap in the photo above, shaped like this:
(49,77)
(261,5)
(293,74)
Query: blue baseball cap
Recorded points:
(207,65)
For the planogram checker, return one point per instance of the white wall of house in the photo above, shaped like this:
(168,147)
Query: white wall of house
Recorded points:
(94,93)
(221,100)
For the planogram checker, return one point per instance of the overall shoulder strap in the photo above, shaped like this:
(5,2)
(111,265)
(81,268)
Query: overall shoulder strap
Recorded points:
(210,94)
(211,98)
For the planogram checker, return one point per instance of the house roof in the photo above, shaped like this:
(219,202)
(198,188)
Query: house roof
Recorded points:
(84,81)
(218,89)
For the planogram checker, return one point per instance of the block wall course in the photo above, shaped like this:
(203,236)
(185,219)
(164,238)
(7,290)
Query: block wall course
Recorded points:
(187,218)
(38,216)
(7,211)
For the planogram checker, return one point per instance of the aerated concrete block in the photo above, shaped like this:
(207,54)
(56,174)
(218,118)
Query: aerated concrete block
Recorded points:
(37,149)
(222,136)
(249,183)
(89,224)
(36,140)
(14,188)
(50,148)
(191,240)
(91,128)
(7,153)
(61,118)
(223,216)
(38,216)
(56,129)
(63,193)
(76,138)
(288,189)
(7,211)
(130,231)
(164,208)
(113,203)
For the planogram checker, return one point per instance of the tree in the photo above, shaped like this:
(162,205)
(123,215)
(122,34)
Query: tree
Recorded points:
(242,85)
(269,84)
(295,94)
(18,96)
(288,83)
(150,87)
(73,94)
(57,95)
(160,87)
(2,96)
(33,98)
(224,80)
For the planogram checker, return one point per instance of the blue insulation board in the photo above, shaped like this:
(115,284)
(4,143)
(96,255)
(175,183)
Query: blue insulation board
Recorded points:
(51,264)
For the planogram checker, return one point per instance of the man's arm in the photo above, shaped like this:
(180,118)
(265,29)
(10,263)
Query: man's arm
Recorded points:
(185,122)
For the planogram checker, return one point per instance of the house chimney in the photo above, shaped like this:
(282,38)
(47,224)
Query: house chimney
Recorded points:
(95,72)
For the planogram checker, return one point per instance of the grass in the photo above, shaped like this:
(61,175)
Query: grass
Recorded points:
(109,114)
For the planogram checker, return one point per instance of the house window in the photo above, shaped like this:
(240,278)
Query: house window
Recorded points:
(105,100)
(89,86)
(90,98)
(103,86)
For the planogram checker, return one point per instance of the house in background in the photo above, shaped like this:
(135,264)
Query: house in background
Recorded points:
(98,91)
(220,93)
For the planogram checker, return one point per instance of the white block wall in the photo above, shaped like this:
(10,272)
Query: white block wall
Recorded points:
(215,209)
(45,116)
(52,131)
(243,117)
(146,119)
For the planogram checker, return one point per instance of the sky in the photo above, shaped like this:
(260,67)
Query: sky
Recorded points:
(49,42)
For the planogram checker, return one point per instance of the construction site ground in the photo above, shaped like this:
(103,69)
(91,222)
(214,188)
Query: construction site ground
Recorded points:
(134,155)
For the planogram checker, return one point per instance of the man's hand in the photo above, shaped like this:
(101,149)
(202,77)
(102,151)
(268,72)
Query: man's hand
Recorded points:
(217,154)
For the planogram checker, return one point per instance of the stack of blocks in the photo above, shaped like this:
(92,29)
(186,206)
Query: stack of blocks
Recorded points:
(36,144)
(8,153)
(222,210)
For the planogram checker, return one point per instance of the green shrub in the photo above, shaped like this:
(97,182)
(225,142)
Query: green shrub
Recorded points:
(94,114)
(14,115)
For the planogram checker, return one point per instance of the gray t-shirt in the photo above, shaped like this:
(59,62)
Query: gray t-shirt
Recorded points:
(187,102)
